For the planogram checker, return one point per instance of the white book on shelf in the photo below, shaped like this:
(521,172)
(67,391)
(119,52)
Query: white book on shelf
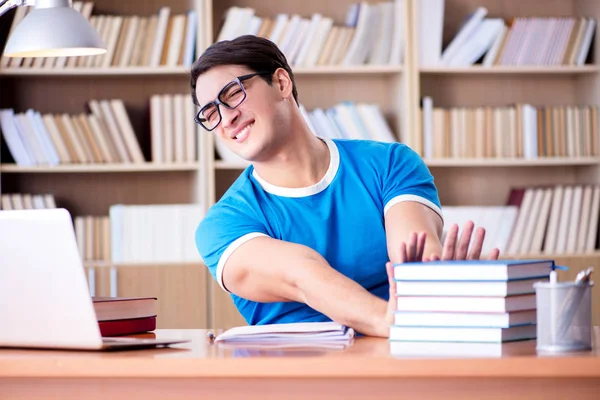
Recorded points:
(309,38)
(108,118)
(14,140)
(133,25)
(574,219)
(553,220)
(38,201)
(331,115)
(126,130)
(492,53)
(164,13)
(584,222)
(108,154)
(380,52)
(156,128)
(281,21)
(592,233)
(191,131)
(178,128)
(427,113)
(254,26)
(168,155)
(291,53)
(365,35)
(529,131)
(33,144)
(509,218)
(190,38)
(542,221)
(111,42)
(176,37)
(467,28)
(290,31)
(83,139)
(584,49)
(57,139)
(385,131)
(477,44)
(229,24)
(532,220)
(318,44)
(73,137)
(565,218)
(400,27)
(43,135)
(524,214)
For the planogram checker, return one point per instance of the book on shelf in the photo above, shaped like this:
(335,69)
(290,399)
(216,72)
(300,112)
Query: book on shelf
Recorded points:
(546,219)
(163,39)
(92,234)
(135,241)
(520,131)
(490,41)
(105,135)
(372,34)
(24,201)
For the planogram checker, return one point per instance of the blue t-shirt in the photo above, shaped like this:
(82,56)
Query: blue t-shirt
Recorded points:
(341,217)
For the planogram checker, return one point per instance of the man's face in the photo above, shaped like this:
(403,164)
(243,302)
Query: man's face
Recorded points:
(249,128)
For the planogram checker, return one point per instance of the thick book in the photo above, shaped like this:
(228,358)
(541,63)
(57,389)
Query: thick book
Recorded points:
(479,319)
(473,270)
(467,288)
(302,332)
(118,308)
(467,304)
(462,334)
(130,326)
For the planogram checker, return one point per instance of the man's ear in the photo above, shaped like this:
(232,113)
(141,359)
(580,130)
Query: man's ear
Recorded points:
(282,81)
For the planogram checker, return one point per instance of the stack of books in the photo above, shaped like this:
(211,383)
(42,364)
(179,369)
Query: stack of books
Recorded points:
(125,315)
(467,301)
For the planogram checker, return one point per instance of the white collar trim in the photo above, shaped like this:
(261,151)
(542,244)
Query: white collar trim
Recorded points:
(334,163)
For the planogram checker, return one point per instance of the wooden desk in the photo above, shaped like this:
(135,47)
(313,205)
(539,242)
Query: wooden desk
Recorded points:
(365,370)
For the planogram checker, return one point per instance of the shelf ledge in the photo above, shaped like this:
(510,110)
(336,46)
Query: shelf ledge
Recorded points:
(510,69)
(89,168)
(512,162)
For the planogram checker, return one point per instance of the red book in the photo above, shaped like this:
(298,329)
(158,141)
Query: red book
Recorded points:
(127,326)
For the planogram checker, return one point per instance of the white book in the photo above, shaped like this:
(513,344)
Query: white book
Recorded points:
(159,39)
(312,332)
(15,142)
(190,38)
(468,27)
(492,54)
(553,220)
(380,53)
(466,288)
(461,334)
(457,319)
(427,127)
(586,209)
(477,44)
(574,219)
(584,49)
(563,223)
(281,21)
(398,43)
(592,232)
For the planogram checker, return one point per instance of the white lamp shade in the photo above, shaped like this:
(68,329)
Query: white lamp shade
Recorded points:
(54,32)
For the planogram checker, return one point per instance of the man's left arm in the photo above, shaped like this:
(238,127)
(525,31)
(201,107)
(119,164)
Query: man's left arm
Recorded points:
(406,218)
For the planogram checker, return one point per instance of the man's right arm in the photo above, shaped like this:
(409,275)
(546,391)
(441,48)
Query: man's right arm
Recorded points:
(270,270)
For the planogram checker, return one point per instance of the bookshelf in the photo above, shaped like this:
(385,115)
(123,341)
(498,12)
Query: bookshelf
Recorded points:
(396,88)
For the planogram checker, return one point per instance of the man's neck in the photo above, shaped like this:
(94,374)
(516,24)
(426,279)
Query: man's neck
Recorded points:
(301,162)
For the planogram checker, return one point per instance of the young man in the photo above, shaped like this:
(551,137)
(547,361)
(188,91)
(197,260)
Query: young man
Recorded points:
(305,233)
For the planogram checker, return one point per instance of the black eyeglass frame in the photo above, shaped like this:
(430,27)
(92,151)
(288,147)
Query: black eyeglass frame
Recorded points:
(199,120)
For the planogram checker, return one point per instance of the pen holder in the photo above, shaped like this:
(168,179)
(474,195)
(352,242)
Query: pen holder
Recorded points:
(564,316)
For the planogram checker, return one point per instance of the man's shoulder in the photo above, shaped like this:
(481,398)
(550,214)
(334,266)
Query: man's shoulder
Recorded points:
(362,150)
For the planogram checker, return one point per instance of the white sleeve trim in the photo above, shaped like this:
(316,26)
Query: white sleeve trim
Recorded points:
(229,251)
(411,197)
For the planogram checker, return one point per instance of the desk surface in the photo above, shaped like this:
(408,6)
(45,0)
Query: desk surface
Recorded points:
(365,357)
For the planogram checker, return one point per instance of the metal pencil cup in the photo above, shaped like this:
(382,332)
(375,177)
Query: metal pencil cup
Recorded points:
(564,316)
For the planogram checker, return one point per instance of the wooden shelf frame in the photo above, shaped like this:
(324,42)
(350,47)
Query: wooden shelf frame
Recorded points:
(95,168)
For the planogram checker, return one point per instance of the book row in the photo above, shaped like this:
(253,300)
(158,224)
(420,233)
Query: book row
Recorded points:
(516,131)
(372,34)
(162,39)
(492,41)
(25,201)
(105,135)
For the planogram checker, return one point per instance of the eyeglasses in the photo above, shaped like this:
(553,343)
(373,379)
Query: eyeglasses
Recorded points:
(230,96)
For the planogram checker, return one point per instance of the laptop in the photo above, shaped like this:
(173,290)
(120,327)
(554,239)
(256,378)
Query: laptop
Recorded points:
(45,300)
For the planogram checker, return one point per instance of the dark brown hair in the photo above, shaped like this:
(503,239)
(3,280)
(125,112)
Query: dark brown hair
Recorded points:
(256,53)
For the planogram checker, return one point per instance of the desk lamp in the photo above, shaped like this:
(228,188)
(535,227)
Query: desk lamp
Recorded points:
(52,29)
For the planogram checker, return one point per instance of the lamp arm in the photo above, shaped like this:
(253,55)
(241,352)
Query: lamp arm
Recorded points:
(6,5)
